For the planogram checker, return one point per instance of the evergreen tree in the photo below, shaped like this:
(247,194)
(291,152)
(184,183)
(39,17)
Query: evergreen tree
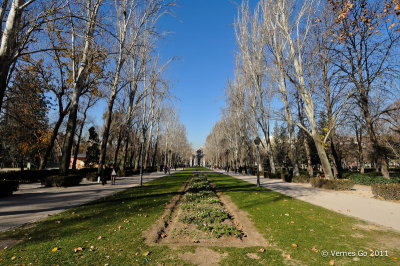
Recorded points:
(93,150)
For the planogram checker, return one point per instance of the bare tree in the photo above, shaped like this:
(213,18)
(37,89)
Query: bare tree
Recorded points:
(82,57)
(366,56)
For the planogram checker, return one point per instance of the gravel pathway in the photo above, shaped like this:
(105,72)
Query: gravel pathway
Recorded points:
(33,202)
(358,203)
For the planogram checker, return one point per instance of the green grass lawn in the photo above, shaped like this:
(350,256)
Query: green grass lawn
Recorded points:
(110,231)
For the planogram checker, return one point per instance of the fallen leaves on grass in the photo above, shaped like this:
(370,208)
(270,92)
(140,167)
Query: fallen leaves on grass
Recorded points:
(55,249)
(286,214)
(13,258)
(288,256)
(261,250)
(314,249)
(295,245)
(147,253)
(58,222)
(331,262)
(78,249)
(99,237)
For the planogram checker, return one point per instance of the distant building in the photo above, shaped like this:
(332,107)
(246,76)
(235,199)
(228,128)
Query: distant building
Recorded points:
(80,162)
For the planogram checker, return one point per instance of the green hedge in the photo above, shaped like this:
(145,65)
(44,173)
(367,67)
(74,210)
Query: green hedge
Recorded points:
(27,176)
(272,176)
(132,171)
(370,178)
(335,184)
(7,187)
(386,191)
(62,181)
(301,179)
(33,176)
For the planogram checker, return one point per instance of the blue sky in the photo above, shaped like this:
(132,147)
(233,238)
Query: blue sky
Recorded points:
(203,40)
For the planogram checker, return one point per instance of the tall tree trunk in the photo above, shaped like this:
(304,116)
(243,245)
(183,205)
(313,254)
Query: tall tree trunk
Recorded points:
(153,164)
(4,69)
(132,157)
(269,150)
(310,169)
(361,167)
(288,117)
(111,100)
(379,153)
(70,133)
(53,138)
(126,146)
(304,135)
(119,141)
(337,161)
(78,142)
(80,80)
(147,147)
(106,132)
(309,111)
(8,43)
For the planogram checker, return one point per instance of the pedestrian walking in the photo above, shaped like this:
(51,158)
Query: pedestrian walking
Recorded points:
(113,176)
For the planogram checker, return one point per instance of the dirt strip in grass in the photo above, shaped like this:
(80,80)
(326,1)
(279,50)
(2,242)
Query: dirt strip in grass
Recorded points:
(200,217)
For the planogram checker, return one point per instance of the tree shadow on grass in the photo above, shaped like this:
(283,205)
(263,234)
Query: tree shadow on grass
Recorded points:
(90,217)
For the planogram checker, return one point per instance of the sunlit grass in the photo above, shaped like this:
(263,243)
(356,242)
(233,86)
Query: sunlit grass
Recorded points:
(110,231)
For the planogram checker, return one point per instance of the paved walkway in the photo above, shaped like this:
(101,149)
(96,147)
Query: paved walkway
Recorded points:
(358,203)
(33,202)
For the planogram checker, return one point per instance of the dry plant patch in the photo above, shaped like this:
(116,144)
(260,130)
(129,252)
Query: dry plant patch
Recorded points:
(199,216)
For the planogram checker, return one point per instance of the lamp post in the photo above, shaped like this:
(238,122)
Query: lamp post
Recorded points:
(257,142)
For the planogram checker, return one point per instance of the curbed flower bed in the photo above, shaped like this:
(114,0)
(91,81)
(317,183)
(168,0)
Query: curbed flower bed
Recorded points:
(62,181)
(204,209)
(335,184)
(386,191)
(8,187)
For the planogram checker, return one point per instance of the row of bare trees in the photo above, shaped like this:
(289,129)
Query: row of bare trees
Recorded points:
(87,52)
(323,70)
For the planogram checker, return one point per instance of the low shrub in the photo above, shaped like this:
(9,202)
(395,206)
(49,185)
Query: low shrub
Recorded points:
(27,176)
(335,184)
(272,176)
(7,187)
(370,178)
(387,191)
(301,179)
(33,176)
(62,181)
(131,171)
(287,177)
(92,176)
